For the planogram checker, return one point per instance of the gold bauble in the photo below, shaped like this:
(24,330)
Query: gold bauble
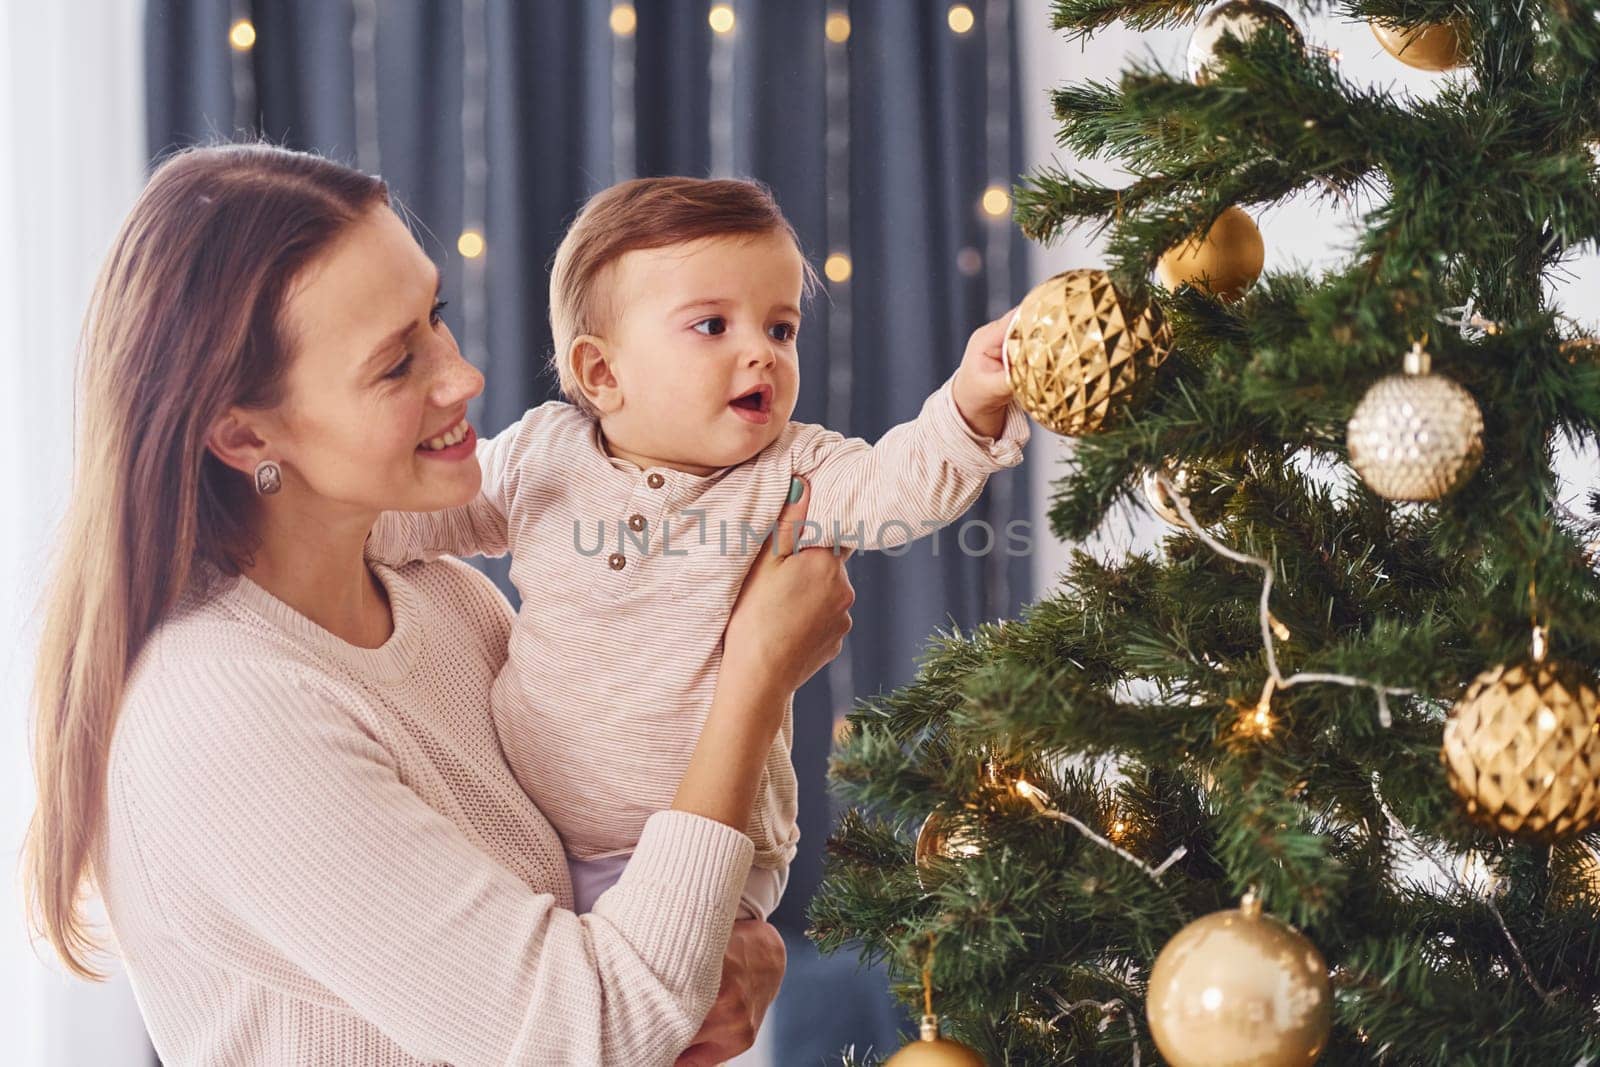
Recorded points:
(1435,46)
(1240,989)
(940,839)
(931,1050)
(1076,351)
(1415,436)
(1205,495)
(1241,18)
(1579,887)
(1522,749)
(1225,262)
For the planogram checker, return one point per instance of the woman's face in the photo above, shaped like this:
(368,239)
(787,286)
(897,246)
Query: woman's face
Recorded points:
(377,390)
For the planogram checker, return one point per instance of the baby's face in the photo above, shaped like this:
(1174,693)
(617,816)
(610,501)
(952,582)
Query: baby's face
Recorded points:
(702,345)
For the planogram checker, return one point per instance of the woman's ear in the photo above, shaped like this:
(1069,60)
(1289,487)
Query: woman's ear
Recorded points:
(590,360)
(235,441)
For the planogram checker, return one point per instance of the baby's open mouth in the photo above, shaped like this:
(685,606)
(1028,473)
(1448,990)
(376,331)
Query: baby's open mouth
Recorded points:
(757,399)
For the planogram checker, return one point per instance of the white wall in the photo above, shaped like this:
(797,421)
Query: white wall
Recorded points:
(1300,232)
(71,161)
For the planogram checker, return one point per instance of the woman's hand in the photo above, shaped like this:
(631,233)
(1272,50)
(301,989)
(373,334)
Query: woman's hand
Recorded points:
(790,619)
(752,970)
(793,612)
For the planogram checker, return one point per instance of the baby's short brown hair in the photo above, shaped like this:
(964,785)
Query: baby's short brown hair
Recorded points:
(640,214)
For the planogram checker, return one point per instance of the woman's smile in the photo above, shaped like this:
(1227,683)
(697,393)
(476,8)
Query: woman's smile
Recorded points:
(458,442)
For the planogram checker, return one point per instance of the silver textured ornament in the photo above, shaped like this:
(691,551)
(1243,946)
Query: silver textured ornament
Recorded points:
(1243,19)
(1416,436)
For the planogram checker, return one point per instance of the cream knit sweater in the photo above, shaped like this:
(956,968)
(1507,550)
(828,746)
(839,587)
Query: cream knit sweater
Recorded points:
(316,854)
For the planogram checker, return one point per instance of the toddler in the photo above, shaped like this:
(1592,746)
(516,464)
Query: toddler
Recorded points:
(633,510)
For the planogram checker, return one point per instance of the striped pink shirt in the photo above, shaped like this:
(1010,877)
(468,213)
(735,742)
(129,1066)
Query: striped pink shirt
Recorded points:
(627,579)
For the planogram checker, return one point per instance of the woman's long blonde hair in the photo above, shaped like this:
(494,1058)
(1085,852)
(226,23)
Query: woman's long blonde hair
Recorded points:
(185,322)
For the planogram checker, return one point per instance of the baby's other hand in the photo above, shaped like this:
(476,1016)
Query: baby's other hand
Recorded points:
(982,389)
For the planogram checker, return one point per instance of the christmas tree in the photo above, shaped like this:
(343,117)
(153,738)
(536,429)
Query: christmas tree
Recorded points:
(1317,780)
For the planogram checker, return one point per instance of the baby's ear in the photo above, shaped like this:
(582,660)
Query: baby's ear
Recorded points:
(590,360)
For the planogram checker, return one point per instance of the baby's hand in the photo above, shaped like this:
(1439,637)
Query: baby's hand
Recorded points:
(981,387)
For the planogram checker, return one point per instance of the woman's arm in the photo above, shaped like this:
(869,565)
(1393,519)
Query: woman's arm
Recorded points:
(276,828)
(791,618)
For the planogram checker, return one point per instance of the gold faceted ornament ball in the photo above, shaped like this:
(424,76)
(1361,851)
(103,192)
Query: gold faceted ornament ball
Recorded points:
(1434,46)
(1239,988)
(1415,436)
(1204,494)
(1225,262)
(1077,351)
(1241,18)
(932,1050)
(1522,749)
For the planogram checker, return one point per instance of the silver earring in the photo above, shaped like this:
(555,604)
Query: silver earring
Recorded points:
(269,477)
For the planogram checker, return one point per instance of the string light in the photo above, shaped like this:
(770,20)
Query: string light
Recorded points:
(1109,1011)
(721,94)
(241,69)
(242,35)
(1450,876)
(996,202)
(1275,680)
(1041,804)
(837,27)
(960,18)
(471,243)
(842,731)
(837,267)
(624,21)
(999,241)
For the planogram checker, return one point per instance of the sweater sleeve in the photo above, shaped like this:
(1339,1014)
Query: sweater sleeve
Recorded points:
(281,830)
(920,476)
(480,527)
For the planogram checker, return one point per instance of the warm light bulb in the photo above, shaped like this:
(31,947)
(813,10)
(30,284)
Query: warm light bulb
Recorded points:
(996,201)
(242,35)
(837,267)
(960,18)
(841,730)
(837,27)
(470,244)
(624,20)
(1263,721)
(721,18)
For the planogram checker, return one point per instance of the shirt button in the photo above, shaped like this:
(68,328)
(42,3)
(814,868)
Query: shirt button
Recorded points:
(636,522)
(655,481)
(617,561)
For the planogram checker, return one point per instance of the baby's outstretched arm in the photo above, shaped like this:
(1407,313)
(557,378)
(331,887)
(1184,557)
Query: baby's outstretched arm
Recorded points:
(922,474)
(480,527)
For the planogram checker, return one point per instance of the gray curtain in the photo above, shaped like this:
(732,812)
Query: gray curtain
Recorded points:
(919,159)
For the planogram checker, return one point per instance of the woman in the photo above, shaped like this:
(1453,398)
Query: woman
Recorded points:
(272,756)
